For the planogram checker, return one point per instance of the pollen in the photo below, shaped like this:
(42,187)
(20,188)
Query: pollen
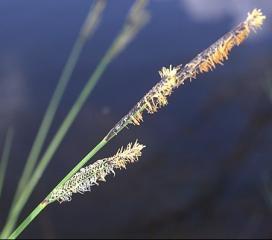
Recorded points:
(255,19)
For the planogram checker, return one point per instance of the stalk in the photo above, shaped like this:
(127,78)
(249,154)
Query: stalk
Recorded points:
(136,19)
(5,157)
(28,220)
(86,31)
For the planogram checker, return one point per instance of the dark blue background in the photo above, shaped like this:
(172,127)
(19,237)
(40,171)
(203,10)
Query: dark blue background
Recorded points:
(206,171)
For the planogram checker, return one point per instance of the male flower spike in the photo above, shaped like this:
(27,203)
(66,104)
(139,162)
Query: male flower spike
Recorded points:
(173,77)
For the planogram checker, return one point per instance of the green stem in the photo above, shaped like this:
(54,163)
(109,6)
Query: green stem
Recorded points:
(49,115)
(42,205)
(5,157)
(87,29)
(53,146)
(125,36)
(28,220)
(44,128)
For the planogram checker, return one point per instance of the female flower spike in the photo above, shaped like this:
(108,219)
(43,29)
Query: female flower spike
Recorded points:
(89,176)
(173,77)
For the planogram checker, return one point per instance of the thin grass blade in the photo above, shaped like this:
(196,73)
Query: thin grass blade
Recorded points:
(5,157)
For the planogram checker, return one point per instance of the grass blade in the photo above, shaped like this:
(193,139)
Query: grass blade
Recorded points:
(5,157)
(88,28)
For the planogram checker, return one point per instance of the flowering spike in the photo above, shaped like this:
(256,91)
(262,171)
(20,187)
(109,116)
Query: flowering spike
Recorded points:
(173,77)
(91,175)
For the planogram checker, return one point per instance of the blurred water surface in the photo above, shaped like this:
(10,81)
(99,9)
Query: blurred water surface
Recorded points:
(206,171)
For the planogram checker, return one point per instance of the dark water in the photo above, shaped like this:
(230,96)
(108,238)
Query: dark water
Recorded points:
(206,171)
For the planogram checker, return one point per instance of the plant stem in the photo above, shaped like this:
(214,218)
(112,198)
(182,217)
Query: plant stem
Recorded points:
(87,29)
(43,130)
(52,108)
(43,204)
(28,220)
(53,146)
(49,116)
(5,157)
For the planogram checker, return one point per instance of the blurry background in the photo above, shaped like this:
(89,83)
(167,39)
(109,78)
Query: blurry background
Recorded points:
(206,171)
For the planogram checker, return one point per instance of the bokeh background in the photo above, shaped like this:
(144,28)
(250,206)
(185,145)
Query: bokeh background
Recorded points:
(206,171)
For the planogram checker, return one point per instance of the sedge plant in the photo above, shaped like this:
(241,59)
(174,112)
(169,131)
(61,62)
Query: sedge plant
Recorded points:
(171,78)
